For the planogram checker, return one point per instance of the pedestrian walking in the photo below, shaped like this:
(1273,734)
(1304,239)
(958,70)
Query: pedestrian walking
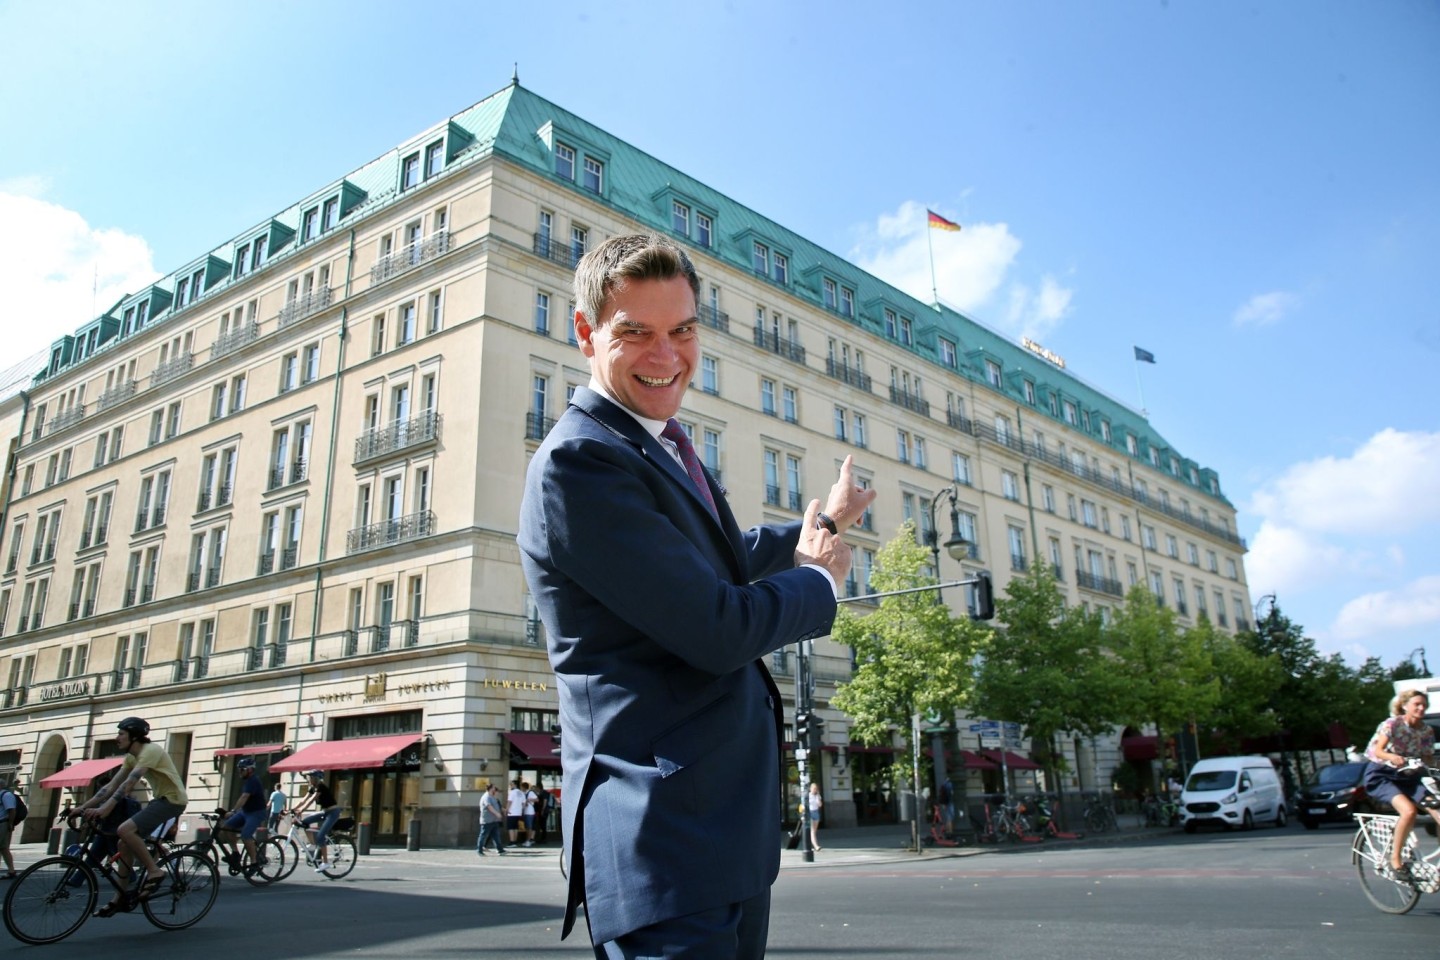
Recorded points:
(492,817)
(9,823)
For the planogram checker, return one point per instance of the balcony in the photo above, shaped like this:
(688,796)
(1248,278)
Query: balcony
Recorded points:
(715,319)
(556,251)
(232,340)
(117,394)
(772,496)
(410,256)
(1089,581)
(67,419)
(537,425)
(396,436)
(845,373)
(302,307)
(176,366)
(1018,563)
(910,401)
(219,497)
(789,349)
(278,475)
(796,503)
(410,527)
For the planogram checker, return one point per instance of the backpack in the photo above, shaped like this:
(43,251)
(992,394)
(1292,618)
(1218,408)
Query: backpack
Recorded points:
(21,811)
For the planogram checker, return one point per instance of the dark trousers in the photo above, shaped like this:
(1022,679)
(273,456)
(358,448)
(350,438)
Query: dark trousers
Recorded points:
(735,932)
(490,832)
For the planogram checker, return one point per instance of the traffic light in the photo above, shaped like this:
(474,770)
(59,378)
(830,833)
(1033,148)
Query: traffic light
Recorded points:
(802,729)
(984,597)
(817,732)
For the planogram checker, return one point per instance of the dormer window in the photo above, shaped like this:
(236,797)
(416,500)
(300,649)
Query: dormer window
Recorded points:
(992,374)
(410,172)
(761,258)
(330,217)
(892,324)
(704,229)
(847,302)
(594,180)
(565,162)
(310,224)
(680,218)
(1029,388)
(830,293)
(782,268)
(434,159)
(905,337)
(949,355)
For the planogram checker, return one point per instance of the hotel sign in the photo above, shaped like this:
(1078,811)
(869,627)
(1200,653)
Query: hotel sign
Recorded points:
(70,688)
(1040,351)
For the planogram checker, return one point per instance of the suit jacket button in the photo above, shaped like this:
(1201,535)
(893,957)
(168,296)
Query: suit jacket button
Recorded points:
(770,702)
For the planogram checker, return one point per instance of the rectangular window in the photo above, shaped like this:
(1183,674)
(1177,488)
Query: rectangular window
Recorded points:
(847,302)
(841,420)
(992,373)
(902,445)
(1009,485)
(564,162)
(790,404)
(1047,497)
(1147,534)
(542,313)
(892,324)
(1230,570)
(594,175)
(760,258)
(918,447)
(704,228)
(406,331)
(960,469)
(410,171)
(1125,526)
(767,396)
(710,375)
(772,477)
(434,158)
(782,268)
(948,353)
(680,218)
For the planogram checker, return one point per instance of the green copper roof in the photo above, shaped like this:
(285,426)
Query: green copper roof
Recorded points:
(523,127)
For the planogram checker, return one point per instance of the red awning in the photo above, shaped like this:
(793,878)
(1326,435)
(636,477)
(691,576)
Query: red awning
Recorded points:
(257,749)
(346,754)
(1139,747)
(859,748)
(1012,760)
(973,761)
(536,749)
(81,772)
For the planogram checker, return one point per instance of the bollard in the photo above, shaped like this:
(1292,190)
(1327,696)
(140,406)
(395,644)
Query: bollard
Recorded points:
(52,846)
(362,840)
(69,837)
(413,841)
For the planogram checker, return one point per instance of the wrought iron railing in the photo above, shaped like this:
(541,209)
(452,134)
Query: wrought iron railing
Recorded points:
(232,340)
(176,366)
(116,394)
(410,256)
(397,436)
(537,426)
(847,374)
(302,307)
(409,527)
(66,419)
(1090,581)
(711,317)
(789,349)
(557,252)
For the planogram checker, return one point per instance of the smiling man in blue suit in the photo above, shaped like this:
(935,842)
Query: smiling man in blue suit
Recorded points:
(658,609)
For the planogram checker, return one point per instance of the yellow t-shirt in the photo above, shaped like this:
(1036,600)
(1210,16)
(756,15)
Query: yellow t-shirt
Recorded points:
(160,773)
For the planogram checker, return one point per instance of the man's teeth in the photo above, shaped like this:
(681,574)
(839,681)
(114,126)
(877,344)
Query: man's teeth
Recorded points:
(655,381)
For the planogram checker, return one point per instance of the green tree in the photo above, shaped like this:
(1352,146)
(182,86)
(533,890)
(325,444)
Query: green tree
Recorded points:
(1246,681)
(1171,679)
(911,655)
(1048,670)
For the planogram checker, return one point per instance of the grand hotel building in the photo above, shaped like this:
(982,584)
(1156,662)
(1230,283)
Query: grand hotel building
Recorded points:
(269,502)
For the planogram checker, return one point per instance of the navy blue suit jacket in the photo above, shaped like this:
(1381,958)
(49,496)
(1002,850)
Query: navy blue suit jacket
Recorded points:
(657,617)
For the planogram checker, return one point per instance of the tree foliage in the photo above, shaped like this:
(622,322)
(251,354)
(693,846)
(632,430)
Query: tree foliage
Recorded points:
(911,654)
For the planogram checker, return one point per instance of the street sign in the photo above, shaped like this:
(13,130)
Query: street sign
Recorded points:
(990,738)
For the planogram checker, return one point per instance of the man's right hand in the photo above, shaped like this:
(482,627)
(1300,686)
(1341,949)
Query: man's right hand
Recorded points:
(819,546)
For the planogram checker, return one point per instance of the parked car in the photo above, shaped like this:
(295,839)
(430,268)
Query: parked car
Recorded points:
(1335,794)
(1232,792)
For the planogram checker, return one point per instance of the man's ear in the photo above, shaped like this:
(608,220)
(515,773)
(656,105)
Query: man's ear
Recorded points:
(583,334)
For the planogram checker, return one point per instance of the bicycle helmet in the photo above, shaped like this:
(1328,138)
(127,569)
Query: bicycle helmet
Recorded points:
(136,727)
(315,773)
(244,763)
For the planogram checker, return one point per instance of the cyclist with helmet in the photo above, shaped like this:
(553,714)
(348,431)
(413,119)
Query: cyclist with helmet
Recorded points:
(246,816)
(168,799)
(323,798)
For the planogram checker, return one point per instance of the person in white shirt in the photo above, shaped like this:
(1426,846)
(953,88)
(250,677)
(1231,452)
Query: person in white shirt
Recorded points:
(514,810)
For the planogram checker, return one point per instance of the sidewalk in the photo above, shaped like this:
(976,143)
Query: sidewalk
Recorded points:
(888,843)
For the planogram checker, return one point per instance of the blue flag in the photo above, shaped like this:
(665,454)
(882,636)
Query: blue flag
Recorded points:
(1144,355)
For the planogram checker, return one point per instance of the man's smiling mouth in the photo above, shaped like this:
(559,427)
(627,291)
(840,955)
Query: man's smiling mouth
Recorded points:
(655,381)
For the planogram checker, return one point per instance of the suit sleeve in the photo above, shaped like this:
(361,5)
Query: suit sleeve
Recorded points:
(638,551)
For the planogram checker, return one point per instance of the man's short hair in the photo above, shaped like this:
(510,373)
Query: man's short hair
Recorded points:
(636,256)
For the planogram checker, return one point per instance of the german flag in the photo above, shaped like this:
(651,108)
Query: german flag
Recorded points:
(940,223)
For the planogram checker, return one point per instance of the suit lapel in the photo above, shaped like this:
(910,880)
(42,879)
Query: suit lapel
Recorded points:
(624,426)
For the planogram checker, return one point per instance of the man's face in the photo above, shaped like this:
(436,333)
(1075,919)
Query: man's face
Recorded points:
(123,741)
(646,347)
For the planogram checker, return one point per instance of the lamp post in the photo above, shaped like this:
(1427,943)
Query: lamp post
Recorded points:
(1424,667)
(955,545)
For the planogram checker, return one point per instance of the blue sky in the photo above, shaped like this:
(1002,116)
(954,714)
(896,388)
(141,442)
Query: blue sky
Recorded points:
(1247,190)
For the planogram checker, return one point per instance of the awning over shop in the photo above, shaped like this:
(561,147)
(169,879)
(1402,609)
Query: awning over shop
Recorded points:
(1139,747)
(346,754)
(81,772)
(1012,760)
(256,750)
(534,749)
(971,760)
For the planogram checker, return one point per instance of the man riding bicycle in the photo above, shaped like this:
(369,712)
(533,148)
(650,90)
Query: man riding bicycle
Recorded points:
(150,761)
(320,796)
(245,818)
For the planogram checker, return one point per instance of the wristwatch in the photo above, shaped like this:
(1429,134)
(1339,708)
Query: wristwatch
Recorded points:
(823,520)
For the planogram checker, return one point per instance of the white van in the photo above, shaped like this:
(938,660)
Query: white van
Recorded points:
(1234,791)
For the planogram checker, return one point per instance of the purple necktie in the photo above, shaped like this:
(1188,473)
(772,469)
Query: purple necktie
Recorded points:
(676,434)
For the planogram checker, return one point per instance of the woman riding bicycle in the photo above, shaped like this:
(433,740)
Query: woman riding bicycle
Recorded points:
(1401,737)
(320,796)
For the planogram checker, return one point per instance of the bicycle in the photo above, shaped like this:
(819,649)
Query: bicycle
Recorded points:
(237,860)
(1099,814)
(1011,823)
(339,846)
(1160,813)
(53,897)
(1370,852)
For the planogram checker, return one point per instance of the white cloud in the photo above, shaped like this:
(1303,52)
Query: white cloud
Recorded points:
(1263,309)
(1374,491)
(1282,559)
(1415,604)
(973,270)
(59,272)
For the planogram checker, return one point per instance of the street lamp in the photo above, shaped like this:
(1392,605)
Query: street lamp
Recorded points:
(1424,667)
(955,545)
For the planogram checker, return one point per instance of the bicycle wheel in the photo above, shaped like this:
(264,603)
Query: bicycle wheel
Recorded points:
(191,885)
(50,900)
(293,856)
(1387,894)
(342,857)
(1096,821)
(272,863)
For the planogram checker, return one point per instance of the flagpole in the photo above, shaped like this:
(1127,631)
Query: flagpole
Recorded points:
(1140,387)
(930,242)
